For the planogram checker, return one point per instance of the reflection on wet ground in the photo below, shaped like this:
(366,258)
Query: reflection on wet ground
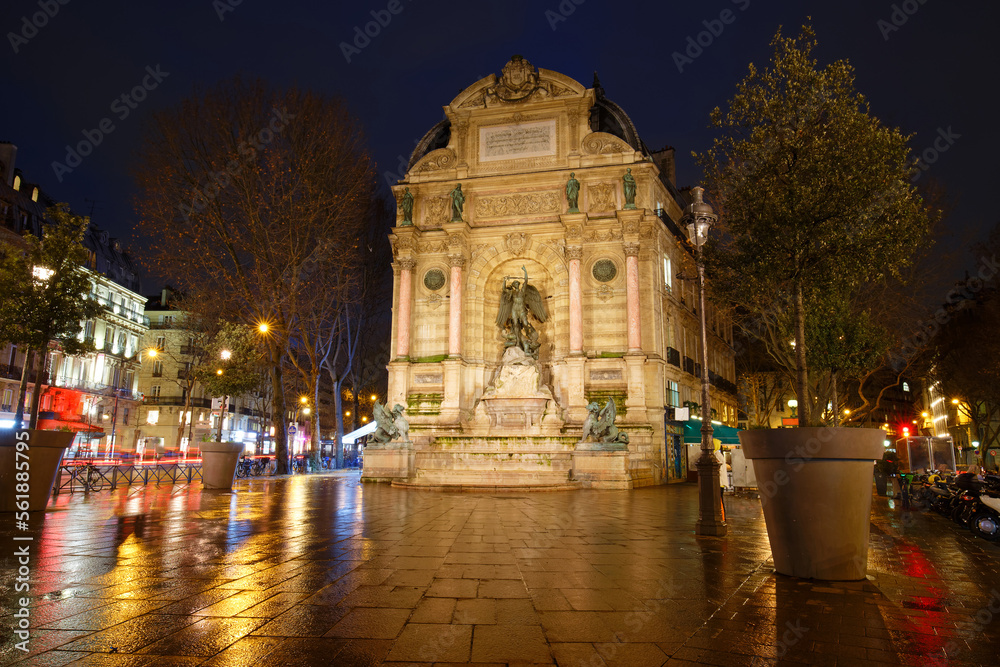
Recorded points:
(320,569)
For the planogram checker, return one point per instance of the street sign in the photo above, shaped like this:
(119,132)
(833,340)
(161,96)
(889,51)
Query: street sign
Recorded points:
(993,452)
(292,430)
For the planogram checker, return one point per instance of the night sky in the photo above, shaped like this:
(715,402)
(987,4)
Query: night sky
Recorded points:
(933,76)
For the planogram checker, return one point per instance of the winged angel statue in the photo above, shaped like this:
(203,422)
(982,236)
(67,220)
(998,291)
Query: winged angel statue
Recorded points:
(600,424)
(516,301)
(390,425)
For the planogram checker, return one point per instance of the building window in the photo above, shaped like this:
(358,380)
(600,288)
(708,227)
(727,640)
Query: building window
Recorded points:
(154,391)
(153,416)
(668,274)
(8,400)
(906,387)
(161,343)
(157,368)
(125,416)
(673,394)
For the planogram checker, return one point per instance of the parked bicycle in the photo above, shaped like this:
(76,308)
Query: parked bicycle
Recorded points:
(254,467)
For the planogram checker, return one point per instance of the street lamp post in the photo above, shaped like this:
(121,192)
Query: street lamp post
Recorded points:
(699,218)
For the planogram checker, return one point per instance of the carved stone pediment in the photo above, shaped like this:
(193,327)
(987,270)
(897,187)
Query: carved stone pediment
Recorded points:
(442,158)
(519,81)
(602,143)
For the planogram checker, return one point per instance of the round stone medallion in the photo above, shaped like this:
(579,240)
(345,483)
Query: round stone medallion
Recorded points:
(605,270)
(434,279)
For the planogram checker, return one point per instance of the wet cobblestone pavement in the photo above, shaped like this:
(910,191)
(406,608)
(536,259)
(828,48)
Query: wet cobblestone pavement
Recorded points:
(322,570)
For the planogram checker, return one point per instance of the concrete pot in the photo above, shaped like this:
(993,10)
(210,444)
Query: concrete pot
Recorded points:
(45,451)
(218,464)
(816,490)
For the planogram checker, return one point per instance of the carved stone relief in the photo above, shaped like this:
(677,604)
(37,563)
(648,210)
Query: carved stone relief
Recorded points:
(517,204)
(438,210)
(602,197)
(516,242)
(599,236)
(597,143)
(442,158)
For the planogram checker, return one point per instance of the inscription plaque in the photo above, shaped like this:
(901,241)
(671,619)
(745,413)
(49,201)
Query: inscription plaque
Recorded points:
(503,142)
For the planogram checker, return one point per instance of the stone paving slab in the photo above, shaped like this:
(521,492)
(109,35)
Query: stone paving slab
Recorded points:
(322,570)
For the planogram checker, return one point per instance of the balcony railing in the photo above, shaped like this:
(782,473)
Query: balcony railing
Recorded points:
(673,357)
(178,400)
(95,388)
(689,365)
(120,310)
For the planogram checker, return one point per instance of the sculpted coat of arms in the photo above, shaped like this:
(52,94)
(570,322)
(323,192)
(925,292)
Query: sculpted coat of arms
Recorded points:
(518,80)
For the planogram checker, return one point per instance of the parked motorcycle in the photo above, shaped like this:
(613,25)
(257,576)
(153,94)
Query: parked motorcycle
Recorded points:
(985,519)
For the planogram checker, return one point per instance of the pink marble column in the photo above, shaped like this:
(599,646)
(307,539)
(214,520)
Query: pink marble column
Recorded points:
(455,307)
(575,301)
(406,267)
(632,296)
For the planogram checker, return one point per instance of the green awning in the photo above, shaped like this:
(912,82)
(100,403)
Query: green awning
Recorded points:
(724,434)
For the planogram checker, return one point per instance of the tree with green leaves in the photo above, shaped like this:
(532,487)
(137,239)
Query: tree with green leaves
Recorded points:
(814,196)
(44,299)
(234,365)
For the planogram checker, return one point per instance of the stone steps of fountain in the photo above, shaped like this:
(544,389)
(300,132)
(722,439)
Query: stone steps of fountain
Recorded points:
(471,478)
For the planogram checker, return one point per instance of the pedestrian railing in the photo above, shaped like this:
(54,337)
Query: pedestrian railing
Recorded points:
(74,477)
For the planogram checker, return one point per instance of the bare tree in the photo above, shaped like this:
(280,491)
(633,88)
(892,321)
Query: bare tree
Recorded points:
(240,185)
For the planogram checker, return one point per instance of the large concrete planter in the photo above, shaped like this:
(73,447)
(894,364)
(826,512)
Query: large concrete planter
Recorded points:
(218,464)
(816,490)
(44,454)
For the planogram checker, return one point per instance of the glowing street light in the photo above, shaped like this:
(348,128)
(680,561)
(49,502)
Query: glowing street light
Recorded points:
(374,397)
(218,371)
(263,327)
(225,354)
(699,218)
